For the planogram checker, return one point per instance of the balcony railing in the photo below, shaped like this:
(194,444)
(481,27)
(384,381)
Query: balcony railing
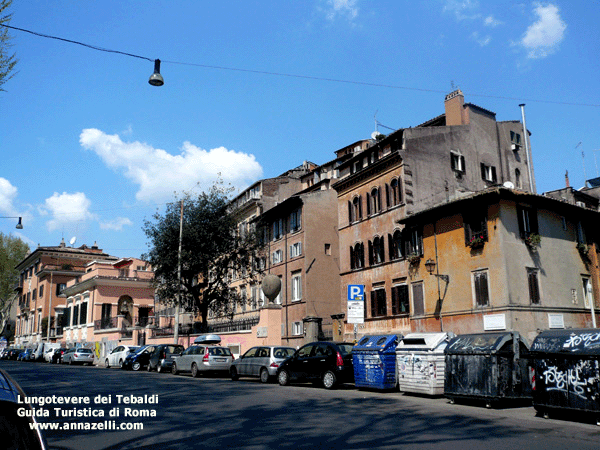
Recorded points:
(106,323)
(234,325)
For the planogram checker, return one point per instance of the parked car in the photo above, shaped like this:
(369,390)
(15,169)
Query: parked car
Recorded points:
(327,362)
(13,353)
(57,355)
(37,354)
(78,356)
(7,352)
(204,356)
(118,355)
(24,355)
(161,359)
(261,362)
(17,424)
(139,359)
(49,351)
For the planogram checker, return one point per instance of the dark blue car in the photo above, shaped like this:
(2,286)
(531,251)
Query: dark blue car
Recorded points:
(139,359)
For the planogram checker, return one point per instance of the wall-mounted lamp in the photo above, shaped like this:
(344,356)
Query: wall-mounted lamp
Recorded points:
(156,78)
(430,266)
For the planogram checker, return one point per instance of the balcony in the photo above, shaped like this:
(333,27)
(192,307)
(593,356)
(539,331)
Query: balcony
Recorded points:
(106,323)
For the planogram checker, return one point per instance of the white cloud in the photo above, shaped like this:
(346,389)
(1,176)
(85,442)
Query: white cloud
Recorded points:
(159,174)
(116,224)
(65,209)
(490,21)
(8,193)
(543,36)
(341,8)
(482,41)
(463,9)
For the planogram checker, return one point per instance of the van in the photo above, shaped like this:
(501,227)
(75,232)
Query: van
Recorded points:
(49,351)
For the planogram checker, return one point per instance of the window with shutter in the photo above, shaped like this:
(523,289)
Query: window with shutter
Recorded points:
(480,287)
(534,286)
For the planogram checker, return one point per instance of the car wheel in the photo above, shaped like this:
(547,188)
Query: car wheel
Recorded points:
(174,370)
(159,368)
(149,368)
(329,380)
(283,378)
(195,371)
(106,363)
(233,373)
(136,366)
(70,362)
(120,363)
(264,375)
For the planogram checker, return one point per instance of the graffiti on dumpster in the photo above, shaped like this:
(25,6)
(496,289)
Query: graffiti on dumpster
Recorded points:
(573,380)
(474,343)
(589,340)
(423,369)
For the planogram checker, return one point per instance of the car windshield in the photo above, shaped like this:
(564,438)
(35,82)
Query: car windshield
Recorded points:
(174,349)
(142,349)
(133,349)
(283,352)
(84,350)
(345,349)
(219,351)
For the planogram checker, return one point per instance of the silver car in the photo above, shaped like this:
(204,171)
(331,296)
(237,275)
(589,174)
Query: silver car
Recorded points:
(201,359)
(260,362)
(78,356)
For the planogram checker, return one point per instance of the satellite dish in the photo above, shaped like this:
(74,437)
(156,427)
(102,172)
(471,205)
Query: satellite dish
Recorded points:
(509,185)
(72,241)
(374,134)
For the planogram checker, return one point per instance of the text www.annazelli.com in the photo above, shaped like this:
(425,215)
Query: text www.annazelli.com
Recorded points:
(88,426)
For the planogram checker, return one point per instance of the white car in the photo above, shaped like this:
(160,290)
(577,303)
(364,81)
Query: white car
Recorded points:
(118,355)
(49,351)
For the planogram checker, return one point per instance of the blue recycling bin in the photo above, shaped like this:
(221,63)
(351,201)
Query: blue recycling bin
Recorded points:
(374,359)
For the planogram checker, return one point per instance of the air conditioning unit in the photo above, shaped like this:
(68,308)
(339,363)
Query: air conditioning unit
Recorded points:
(581,204)
(515,146)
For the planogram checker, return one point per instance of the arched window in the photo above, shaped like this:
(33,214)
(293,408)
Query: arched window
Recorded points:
(356,208)
(374,201)
(393,193)
(395,245)
(357,256)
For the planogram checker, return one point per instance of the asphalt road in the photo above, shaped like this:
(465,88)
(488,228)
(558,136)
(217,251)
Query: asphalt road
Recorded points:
(217,413)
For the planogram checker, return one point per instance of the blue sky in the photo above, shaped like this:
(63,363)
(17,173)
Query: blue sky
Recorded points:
(90,149)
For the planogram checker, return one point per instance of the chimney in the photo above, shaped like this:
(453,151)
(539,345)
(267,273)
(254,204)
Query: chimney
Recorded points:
(456,114)
(567,179)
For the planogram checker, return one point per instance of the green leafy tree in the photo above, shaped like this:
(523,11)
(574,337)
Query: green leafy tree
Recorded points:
(7,60)
(12,251)
(211,250)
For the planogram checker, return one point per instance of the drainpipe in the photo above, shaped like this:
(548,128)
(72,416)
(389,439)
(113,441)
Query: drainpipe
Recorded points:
(437,268)
(525,137)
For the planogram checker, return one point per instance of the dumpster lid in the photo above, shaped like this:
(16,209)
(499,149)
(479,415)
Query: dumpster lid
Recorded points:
(423,341)
(208,339)
(483,343)
(580,341)
(377,342)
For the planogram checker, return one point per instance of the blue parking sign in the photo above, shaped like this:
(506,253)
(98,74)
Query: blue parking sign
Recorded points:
(356,292)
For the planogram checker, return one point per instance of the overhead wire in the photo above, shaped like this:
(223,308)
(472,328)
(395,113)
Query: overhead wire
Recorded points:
(306,77)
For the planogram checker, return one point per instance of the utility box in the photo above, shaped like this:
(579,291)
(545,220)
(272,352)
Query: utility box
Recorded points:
(492,367)
(374,359)
(567,371)
(421,361)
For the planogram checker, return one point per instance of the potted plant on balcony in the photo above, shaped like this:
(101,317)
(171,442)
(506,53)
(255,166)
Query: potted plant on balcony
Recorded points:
(584,250)
(532,241)
(413,259)
(476,241)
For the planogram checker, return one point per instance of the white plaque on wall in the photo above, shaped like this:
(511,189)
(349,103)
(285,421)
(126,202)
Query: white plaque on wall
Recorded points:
(556,321)
(261,332)
(492,322)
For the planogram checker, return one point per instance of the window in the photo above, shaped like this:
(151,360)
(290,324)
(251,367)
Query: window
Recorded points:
(480,288)
(277,257)
(580,239)
(41,291)
(75,315)
(475,227)
(378,303)
(355,209)
(457,162)
(488,173)
(418,304)
(534,286)
(528,223)
(518,181)
(34,294)
(83,313)
(298,330)
(588,293)
(376,251)
(392,193)
(413,241)
(515,138)
(295,220)
(106,310)
(295,249)
(357,256)
(374,201)
(277,229)
(296,286)
(395,245)
(60,287)
(400,302)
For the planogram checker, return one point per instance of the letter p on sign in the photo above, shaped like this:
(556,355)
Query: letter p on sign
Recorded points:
(356,292)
